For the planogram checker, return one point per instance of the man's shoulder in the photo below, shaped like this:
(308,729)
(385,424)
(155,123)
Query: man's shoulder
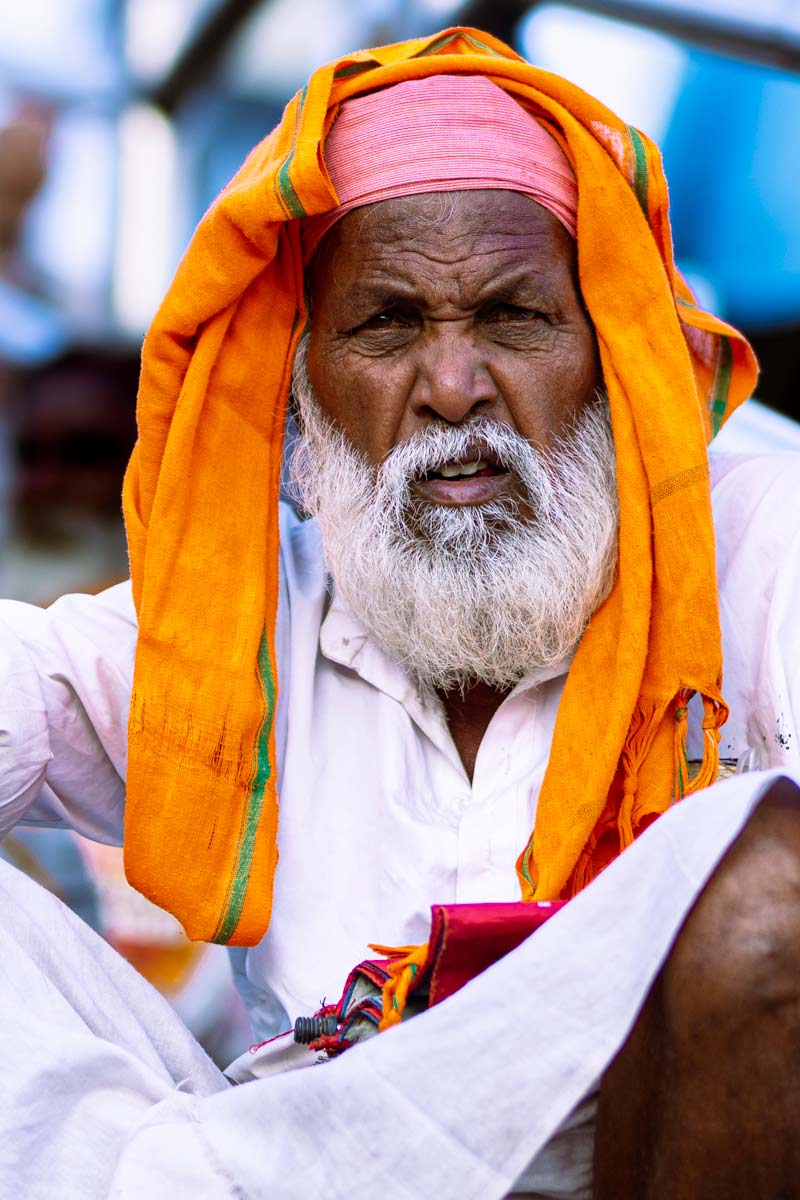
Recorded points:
(108,614)
(761,488)
(114,603)
(756,504)
(756,468)
(756,500)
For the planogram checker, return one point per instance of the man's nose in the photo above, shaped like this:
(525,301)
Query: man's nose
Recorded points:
(452,379)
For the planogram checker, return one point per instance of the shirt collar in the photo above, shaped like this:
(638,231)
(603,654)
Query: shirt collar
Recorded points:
(345,640)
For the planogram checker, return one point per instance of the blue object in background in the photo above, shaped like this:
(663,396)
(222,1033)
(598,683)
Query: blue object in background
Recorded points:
(731,156)
(32,331)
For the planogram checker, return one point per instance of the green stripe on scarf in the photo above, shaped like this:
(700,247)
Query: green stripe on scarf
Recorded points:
(283,184)
(253,804)
(441,43)
(717,400)
(473,41)
(355,68)
(527,858)
(639,168)
(721,384)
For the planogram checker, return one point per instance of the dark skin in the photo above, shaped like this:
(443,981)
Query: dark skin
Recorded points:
(427,310)
(703,1100)
(419,319)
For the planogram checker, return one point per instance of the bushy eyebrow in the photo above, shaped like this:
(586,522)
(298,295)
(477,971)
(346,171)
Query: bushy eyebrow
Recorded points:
(523,288)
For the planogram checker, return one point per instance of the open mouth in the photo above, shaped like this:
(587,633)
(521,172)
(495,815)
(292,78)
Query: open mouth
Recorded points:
(472,467)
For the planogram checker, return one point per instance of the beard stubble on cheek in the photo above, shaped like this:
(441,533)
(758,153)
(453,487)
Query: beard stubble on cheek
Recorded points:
(460,594)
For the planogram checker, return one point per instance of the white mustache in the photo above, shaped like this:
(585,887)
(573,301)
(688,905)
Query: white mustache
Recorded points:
(435,446)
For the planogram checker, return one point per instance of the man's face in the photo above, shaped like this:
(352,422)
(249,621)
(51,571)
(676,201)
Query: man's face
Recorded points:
(456,451)
(440,308)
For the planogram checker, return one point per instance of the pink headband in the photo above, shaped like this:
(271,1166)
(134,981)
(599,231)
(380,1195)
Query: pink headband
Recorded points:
(446,133)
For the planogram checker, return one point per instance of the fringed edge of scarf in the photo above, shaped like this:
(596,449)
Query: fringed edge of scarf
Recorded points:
(630,814)
(715,714)
(403,969)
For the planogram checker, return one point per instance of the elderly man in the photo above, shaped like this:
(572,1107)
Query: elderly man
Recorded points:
(503,617)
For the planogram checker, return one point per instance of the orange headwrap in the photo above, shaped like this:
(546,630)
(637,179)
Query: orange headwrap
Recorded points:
(201,504)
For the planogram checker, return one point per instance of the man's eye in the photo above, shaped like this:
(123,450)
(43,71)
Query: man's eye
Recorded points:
(508,313)
(390,318)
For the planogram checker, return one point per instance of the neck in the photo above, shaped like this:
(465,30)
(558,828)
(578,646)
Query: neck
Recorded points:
(468,716)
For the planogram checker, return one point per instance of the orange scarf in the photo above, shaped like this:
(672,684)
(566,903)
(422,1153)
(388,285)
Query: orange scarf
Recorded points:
(201,506)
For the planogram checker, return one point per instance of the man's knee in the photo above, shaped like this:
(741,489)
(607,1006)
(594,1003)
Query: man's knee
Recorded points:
(737,960)
(715,1051)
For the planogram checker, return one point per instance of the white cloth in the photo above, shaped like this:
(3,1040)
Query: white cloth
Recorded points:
(378,818)
(103,1093)
(754,428)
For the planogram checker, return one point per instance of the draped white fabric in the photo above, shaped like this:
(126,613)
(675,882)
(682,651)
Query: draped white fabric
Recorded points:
(103,1093)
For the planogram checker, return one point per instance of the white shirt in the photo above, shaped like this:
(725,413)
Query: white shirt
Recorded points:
(378,818)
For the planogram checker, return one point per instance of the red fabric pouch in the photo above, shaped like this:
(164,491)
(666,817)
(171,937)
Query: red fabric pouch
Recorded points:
(464,940)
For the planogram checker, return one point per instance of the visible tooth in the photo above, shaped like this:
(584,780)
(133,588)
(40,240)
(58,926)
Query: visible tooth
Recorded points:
(452,470)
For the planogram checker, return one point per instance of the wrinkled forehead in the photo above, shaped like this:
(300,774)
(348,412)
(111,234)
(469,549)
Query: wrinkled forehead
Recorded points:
(448,244)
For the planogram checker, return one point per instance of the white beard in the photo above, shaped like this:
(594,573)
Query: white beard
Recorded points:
(465,595)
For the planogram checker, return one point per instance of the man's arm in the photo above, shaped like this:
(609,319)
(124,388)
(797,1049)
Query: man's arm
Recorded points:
(65,682)
(66,674)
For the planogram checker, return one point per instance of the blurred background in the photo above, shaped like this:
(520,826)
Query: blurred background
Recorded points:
(120,120)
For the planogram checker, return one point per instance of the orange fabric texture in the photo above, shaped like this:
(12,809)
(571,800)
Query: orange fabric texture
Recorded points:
(202,488)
